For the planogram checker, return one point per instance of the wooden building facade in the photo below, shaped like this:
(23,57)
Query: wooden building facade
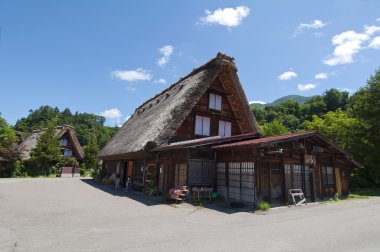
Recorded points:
(200,132)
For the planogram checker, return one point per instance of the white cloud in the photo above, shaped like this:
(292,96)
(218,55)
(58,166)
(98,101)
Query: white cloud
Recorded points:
(111,113)
(160,81)
(315,24)
(166,52)
(349,43)
(229,17)
(375,43)
(113,116)
(370,30)
(257,102)
(306,86)
(138,74)
(287,75)
(321,76)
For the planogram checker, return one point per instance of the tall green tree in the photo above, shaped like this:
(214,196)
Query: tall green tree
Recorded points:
(366,108)
(47,152)
(90,160)
(336,125)
(8,138)
(8,150)
(273,128)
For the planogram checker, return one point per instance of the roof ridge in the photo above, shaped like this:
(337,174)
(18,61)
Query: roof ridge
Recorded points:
(218,59)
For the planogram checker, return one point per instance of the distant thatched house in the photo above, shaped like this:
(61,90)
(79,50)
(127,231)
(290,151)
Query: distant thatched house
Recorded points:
(68,141)
(200,132)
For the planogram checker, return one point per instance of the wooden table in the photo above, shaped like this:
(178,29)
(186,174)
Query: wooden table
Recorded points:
(203,192)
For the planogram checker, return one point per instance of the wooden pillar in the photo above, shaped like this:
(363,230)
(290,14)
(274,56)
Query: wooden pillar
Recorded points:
(188,166)
(215,180)
(270,181)
(157,171)
(284,178)
(319,162)
(227,174)
(333,166)
(303,169)
(241,193)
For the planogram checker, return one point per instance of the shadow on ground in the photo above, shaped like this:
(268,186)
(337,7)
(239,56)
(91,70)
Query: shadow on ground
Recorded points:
(152,201)
(137,196)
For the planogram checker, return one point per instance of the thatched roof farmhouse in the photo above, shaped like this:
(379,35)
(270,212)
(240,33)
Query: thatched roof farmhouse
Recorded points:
(68,140)
(201,133)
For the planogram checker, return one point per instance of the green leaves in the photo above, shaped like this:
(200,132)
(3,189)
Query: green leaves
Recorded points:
(8,138)
(47,151)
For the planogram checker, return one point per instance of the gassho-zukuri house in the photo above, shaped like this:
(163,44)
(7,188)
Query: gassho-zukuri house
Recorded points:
(200,132)
(68,141)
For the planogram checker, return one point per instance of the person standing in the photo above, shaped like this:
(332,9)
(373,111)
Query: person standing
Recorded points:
(117,182)
(128,185)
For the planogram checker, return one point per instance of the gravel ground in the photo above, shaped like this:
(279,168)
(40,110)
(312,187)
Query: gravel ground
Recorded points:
(80,215)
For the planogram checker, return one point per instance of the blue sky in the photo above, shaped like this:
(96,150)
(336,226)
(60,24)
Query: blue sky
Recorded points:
(107,57)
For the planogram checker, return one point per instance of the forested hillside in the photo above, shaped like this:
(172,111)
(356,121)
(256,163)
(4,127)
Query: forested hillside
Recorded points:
(351,121)
(88,127)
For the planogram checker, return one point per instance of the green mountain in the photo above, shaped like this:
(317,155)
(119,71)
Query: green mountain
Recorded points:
(298,98)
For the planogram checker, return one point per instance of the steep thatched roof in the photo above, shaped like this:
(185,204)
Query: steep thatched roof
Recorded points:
(157,119)
(30,142)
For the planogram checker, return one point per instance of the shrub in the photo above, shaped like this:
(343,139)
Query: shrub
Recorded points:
(68,162)
(264,206)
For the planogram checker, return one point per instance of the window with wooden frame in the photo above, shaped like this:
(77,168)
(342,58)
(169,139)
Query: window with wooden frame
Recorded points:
(328,176)
(225,128)
(202,125)
(215,102)
(67,153)
(63,142)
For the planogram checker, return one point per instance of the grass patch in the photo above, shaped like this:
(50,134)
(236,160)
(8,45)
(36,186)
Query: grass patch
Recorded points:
(264,206)
(200,207)
(174,205)
(336,199)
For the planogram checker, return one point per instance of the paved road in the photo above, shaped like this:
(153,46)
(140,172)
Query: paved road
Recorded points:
(75,215)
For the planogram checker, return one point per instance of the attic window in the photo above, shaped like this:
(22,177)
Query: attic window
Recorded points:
(63,142)
(202,125)
(215,102)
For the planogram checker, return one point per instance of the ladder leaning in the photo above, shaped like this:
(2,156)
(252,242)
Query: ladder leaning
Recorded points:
(296,197)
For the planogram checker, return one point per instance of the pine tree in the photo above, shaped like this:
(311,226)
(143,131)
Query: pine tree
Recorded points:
(47,151)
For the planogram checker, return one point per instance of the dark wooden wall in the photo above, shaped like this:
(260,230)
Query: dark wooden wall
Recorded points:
(187,129)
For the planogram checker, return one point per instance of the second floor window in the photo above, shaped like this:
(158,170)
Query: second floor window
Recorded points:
(202,125)
(63,142)
(215,102)
(224,128)
(67,153)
